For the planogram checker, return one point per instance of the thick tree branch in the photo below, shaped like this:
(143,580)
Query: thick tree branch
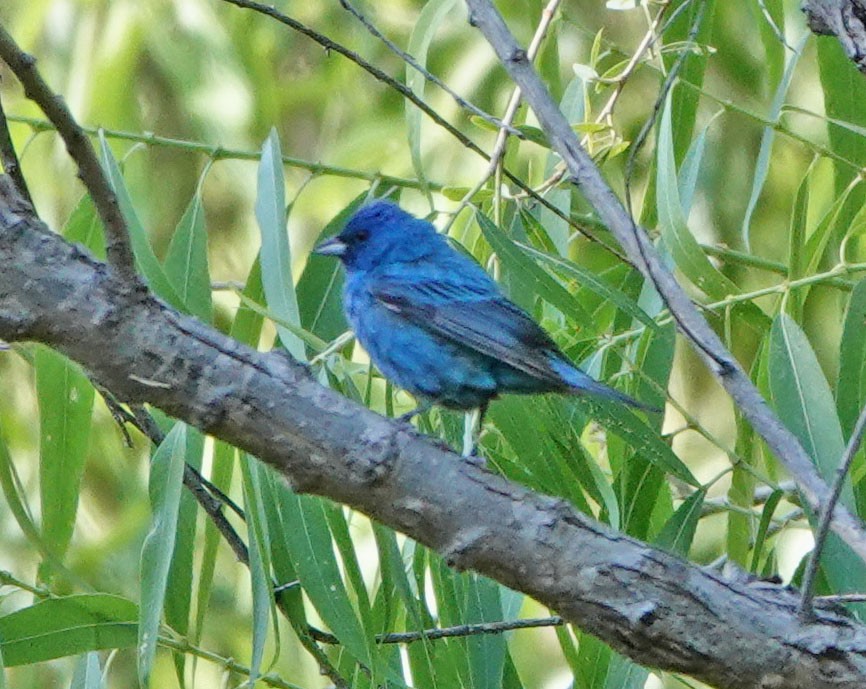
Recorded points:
(650,605)
(642,253)
(844,19)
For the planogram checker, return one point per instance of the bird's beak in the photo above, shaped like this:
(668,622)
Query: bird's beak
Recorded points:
(331,247)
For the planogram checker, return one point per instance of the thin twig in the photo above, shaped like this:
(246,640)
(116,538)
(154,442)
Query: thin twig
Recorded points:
(448,632)
(429,76)
(811,572)
(221,153)
(331,45)
(9,158)
(117,245)
(643,254)
(511,109)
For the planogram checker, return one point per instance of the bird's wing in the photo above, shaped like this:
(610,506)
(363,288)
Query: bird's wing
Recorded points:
(471,312)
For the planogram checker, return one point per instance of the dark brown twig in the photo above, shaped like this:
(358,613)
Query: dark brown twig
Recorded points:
(117,244)
(331,45)
(450,632)
(9,158)
(429,76)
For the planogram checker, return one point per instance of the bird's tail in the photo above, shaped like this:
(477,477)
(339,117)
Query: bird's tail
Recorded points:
(583,384)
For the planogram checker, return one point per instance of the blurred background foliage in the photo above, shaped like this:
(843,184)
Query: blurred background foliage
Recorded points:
(748,181)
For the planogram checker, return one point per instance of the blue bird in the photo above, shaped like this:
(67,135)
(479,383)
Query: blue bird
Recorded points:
(437,325)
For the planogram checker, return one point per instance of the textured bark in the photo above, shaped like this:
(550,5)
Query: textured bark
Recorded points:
(654,607)
(844,19)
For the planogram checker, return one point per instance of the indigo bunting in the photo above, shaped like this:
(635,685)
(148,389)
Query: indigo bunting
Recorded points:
(436,324)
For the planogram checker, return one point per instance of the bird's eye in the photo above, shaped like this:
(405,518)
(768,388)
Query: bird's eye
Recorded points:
(362,235)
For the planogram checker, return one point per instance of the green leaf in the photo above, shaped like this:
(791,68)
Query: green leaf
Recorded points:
(145,259)
(427,22)
(14,493)
(166,473)
(87,674)
(84,227)
(762,165)
(586,278)
(179,590)
(246,328)
(805,404)
(763,526)
(851,379)
(556,227)
(686,252)
(260,561)
(275,256)
(65,407)
(320,287)
(618,419)
(186,262)
(803,398)
(66,626)
(531,278)
(679,531)
(308,540)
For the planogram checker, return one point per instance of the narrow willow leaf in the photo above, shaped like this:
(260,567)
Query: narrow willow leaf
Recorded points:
(65,398)
(186,262)
(851,379)
(592,663)
(246,328)
(844,94)
(275,256)
(805,404)
(557,227)
(616,418)
(310,544)
(686,252)
(531,277)
(762,166)
(690,169)
(179,590)
(679,532)
(260,561)
(426,24)
(763,526)
(320,287)
(145,259)
(87,674)
(165,485)
(84,227)
(623,673)
(16,498)
(586,278)
(65,626)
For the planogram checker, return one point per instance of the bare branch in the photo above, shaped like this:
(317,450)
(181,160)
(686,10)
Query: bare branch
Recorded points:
(654,607)
(642,253)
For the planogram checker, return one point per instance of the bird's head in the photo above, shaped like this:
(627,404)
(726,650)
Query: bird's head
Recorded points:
(380,233)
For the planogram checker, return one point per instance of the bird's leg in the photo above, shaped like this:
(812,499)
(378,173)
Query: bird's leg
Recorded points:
(472,421)
(409,415)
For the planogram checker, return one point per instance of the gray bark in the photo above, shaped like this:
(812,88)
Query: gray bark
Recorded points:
(844,19)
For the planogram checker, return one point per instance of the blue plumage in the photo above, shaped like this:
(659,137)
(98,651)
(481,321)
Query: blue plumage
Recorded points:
(436,324)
